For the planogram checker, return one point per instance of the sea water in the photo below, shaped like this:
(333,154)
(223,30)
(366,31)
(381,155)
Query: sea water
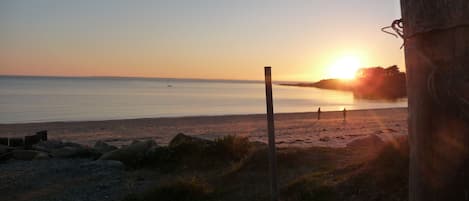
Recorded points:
(43,99)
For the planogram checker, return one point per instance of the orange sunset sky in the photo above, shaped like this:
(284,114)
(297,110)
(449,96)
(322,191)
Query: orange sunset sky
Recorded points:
(212,39)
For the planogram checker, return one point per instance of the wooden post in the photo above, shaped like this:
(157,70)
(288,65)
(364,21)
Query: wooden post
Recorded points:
(437,66)
(42,135)
(319,113)
(16,142)
(30,140)
(271,131)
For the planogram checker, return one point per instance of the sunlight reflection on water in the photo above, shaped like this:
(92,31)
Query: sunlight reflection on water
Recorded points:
(33,99)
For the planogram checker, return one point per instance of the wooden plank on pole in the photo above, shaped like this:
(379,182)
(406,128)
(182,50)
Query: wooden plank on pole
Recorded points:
(271,133)
(436,36)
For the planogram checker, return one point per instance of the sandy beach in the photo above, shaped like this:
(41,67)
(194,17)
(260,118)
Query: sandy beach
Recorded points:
(292,129)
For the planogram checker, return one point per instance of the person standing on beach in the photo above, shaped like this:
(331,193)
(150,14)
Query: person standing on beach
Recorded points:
(319,113)
(345,113)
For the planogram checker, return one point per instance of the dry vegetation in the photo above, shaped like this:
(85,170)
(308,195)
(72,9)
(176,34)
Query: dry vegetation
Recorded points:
(231,168)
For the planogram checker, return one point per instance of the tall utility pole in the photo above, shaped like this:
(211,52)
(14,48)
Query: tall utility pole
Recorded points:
(436,36)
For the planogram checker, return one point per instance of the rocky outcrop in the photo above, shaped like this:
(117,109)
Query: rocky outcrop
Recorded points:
(28,155)
(131,154)
(185,140)
(61,149)
(103,147)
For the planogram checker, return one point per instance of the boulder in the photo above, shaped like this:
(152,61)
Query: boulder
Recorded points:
(181,140)
(98,164)
(42,156)
(28,154)
(103,147)
(61,149)
(48,146)
(75,152)
(131,154)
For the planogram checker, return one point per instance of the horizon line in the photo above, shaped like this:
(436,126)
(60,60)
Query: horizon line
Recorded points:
(138,77)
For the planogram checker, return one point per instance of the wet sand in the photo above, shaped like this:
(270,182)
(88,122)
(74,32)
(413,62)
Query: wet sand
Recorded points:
(292,129)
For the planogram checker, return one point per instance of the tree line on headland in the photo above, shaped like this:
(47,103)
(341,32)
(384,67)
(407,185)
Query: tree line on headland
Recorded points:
(369,83)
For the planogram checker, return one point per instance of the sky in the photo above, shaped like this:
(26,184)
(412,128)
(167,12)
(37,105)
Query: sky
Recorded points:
(209,39)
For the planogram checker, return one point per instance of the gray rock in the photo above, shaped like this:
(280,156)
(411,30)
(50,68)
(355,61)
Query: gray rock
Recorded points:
(28,154)
(104,163)
(182,139)
(48,146)
(42,156)
(61,149)
(131,153)
(75,152)
(103,147)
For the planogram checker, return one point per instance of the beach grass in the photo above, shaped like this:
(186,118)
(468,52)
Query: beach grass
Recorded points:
(323,174)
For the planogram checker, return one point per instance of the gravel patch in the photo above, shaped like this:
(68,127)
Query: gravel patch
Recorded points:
(62,180)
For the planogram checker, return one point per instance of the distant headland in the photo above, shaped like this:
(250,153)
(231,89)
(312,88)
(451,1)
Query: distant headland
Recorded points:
(369,83)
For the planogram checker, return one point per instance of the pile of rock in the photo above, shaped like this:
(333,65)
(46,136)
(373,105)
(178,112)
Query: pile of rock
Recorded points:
(131,153)
(48,149)
(37,146)
(183,149)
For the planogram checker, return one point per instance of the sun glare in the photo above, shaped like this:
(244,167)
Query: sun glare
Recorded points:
(344,68)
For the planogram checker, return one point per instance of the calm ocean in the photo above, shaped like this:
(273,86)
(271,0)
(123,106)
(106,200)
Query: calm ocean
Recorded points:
(43,99)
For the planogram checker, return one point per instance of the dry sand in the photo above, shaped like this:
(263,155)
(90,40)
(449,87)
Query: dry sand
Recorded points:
(292,129)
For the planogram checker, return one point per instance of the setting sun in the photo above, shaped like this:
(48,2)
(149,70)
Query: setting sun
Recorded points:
(344,68)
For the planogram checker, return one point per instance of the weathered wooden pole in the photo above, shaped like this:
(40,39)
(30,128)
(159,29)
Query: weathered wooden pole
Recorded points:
(436,36)
(271,133)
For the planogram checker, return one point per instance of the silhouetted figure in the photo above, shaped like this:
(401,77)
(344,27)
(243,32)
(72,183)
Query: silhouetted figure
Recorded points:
(345,113)
(319,113)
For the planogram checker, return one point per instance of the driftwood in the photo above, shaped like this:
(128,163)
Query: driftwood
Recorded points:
(436,34)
